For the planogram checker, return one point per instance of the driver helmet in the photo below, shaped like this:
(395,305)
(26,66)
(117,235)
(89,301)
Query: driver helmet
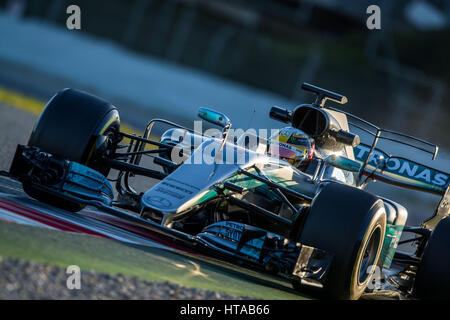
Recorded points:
(292,145)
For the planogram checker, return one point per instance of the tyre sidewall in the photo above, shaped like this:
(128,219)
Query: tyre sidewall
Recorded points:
(340,221)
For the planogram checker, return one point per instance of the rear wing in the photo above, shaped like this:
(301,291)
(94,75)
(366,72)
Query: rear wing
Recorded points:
(397,171)
(402,172)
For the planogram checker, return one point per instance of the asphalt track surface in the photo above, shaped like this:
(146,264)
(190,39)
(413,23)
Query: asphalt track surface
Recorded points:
(15,206)
(17,118)
(22,95)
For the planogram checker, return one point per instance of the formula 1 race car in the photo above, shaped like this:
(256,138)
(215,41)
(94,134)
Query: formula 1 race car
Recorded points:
(237,201)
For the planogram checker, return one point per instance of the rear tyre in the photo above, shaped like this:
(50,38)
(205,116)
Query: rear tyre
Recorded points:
(69,127)
(432,279)
(349,224)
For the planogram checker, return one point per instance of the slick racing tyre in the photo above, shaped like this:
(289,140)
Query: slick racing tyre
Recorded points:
(349,224)
(432,279)
(69,127)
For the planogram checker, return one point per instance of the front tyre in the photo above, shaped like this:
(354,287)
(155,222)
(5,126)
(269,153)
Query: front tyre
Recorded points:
(69,127)
(349,224)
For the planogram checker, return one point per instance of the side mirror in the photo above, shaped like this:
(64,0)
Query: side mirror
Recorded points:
(214,117)
(343,163)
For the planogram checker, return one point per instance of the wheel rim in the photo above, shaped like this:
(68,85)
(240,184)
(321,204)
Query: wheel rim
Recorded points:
(369,256)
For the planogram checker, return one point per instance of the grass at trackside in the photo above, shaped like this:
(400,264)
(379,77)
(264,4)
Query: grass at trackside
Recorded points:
(91,253)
